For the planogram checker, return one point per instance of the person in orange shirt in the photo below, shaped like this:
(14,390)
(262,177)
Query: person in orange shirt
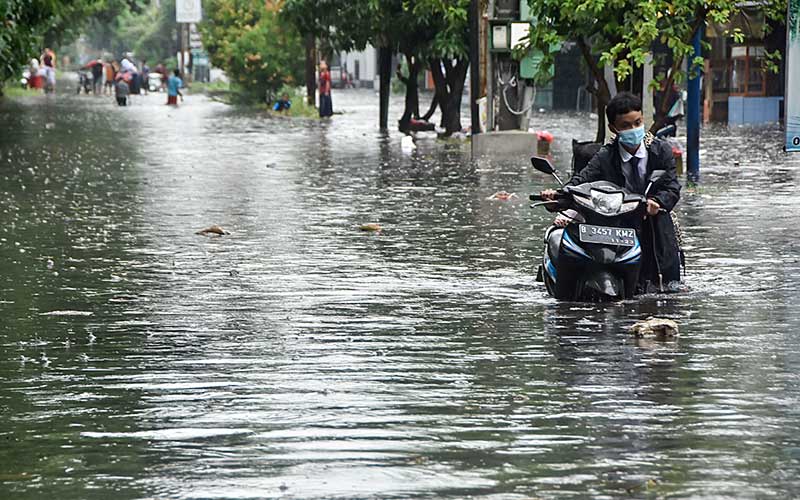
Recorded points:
(108,88)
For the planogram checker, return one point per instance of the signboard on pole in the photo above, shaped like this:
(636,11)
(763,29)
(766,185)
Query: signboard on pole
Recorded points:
(792,97)
(188,11)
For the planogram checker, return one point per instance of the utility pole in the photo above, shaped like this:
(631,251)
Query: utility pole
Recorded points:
(474,65)
(385,75)
(182,47)
(179,45)
(693,115)
(648,106)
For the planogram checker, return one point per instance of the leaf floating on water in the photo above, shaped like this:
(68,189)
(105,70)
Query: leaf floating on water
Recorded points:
(503,196)
(371,226)
(22,476)
(215,229)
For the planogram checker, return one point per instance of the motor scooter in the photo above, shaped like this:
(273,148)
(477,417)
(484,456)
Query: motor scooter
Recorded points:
(598,257)
(84,82)
(154,82)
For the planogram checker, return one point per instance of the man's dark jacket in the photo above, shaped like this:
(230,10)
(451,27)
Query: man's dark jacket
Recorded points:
(607,165)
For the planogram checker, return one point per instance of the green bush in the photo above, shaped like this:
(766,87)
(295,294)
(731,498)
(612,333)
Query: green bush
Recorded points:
(259,53)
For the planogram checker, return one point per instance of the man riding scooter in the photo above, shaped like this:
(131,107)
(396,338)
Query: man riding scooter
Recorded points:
(628,161)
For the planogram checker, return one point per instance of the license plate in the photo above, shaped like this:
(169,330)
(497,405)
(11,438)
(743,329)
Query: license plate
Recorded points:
(607,235)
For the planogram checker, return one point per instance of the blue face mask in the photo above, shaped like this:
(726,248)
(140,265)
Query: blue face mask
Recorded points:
(632,137)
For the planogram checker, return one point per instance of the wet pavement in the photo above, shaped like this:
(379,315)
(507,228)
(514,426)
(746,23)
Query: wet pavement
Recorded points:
(299,357)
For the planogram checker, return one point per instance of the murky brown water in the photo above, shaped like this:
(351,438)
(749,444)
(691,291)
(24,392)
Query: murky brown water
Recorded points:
(299,357)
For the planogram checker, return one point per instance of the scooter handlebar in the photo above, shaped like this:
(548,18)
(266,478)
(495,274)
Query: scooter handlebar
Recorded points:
(559,196)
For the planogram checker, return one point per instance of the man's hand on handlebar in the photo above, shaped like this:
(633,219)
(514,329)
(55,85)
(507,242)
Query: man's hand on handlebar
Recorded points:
(549,194)
(652,207)
(561,221)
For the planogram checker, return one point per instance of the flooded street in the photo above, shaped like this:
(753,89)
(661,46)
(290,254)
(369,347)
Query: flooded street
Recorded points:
(301,358)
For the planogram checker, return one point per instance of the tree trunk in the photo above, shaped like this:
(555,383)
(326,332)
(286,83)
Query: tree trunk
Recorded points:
(475,62)
(432,109)
(602,101)
(311,72)
(385,72)
(412,95)
(449,87)
(602,94)
(662,107)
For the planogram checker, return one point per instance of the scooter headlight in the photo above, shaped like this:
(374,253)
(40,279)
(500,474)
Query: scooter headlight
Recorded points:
(606,203)
(629,206)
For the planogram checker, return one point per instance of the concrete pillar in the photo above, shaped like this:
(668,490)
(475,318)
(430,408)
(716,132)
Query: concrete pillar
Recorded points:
(648,107)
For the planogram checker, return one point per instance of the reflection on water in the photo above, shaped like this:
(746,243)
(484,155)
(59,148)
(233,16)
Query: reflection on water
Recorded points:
(299,357)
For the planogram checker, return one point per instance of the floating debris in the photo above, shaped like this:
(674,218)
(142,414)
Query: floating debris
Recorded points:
(67,313)
(215,229)
(371,226)
(658,328)
(503,196)
(407,144)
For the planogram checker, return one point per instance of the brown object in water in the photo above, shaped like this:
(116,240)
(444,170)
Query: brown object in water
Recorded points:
(215,229)
(658,328)
(372,226)
(502,195)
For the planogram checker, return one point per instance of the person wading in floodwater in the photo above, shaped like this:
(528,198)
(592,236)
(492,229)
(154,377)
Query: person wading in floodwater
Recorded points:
(325,103)
(110,74)
(121,91)
(173,88)
(282,104)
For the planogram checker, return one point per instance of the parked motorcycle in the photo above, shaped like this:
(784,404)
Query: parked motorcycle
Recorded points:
(154,82)
(598,257)
(84,82)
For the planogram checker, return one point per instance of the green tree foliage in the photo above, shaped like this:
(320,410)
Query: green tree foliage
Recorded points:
(256,49)
(158,39)
(147,29)
(29,25)
(621,33)
(347,25)
(433,31)
(447,54)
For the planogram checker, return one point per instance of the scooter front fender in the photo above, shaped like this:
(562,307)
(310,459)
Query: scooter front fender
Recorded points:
(605,284)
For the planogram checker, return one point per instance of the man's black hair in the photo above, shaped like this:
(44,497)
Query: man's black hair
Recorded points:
(177,73)
(622,103)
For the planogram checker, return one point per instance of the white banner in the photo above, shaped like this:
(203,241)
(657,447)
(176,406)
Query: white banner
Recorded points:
(792,93)
(188,11)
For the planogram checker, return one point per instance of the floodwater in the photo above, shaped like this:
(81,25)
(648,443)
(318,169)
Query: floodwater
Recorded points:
(301,358)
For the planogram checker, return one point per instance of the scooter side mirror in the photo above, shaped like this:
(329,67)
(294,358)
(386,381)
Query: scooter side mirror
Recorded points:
(542,165)
(657,175)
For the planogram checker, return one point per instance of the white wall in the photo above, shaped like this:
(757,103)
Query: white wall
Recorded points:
(367,69)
